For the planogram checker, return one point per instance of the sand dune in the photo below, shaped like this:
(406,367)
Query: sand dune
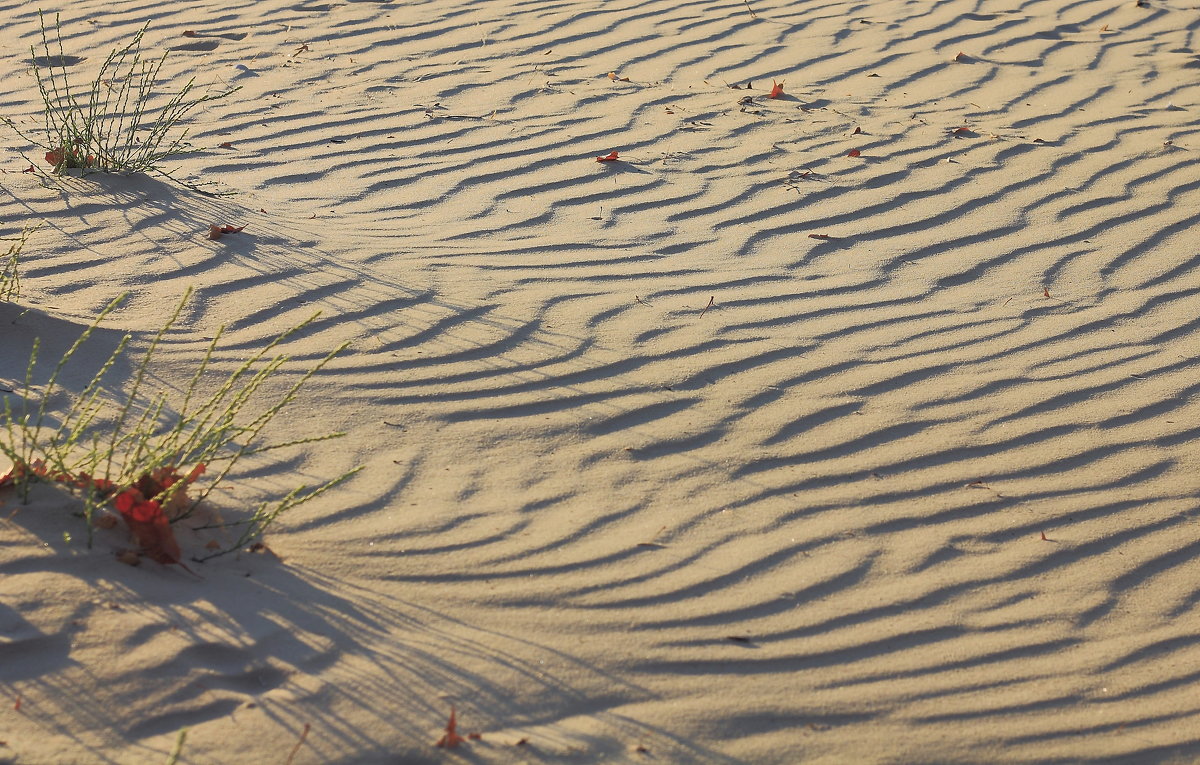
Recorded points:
(737,449)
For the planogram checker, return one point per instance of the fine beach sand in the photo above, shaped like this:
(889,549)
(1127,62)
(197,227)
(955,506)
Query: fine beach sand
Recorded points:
(651,472)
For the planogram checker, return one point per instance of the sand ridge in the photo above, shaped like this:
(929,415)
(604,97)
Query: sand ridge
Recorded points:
(738,449)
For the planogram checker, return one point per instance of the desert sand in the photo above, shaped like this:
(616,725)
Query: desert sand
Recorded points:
(740,448)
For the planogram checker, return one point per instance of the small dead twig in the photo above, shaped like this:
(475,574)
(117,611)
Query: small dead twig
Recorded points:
(710,305)
(296,749)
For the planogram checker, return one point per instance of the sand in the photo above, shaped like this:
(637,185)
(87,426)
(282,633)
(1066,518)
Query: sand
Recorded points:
(735,449)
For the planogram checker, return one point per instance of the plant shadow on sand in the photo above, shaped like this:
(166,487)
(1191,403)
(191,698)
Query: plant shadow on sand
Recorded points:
(21,326)
(252,643)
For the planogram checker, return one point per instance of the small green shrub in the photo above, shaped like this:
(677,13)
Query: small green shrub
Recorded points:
(117,123)
(143,456)
(10,261)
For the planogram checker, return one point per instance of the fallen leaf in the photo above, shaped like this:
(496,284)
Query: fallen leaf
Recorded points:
(521,742)
(872,75)
(475,736)
(30,169)
(610,157)
(960,130)
(1104,28)
(612,76)
(451,739)
(1044,537)
(216,232)
(1045,292)
(854,153)
(301,49)
(857,131)
(776,89)
(960,57)
(189,33)
(819,236)
(225,145)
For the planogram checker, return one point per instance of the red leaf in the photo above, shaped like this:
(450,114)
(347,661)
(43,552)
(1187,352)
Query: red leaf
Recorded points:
(126,500)
(189,33)
(1045,292)
(55,156)
(819,236)
(776,89)
(857,130)
(146,512)
(610,157)
(153,534)
(854,153)
(960,130)
(960,56)
(1044,537)
(451,739)
(30,169)
(225,145)
(216,232)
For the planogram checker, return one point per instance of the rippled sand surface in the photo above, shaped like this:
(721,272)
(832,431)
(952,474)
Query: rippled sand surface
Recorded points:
(740,448)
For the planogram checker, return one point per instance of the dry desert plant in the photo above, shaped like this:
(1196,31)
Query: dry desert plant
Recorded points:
(10,261)
(152,459)
(119,122)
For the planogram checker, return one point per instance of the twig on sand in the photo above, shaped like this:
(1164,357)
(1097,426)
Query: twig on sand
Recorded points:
(710,305)
(296,749)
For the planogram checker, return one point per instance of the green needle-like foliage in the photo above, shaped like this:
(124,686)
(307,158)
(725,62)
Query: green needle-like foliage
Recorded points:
(119,444)
(117,123)
(10,278)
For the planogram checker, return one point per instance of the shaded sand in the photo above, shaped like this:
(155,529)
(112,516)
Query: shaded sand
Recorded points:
(804,524)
